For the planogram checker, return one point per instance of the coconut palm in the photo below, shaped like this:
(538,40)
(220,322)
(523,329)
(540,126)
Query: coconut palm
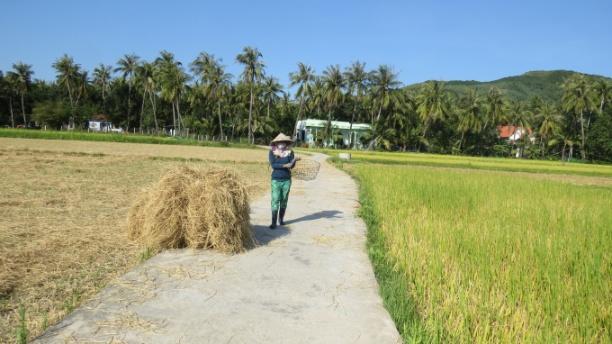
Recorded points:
(102,80)
(253,72)
(10,86)
(316,95)
(384,81)
(357,82)
(303,78)
(603,92)
(577,99)
(215,82)
(172,79)
(270,90)
(432,105)
(333,83)
(22,75)
(470,114)
(68,74)
(145,79)
(550,124)
(495,106)
(127,66)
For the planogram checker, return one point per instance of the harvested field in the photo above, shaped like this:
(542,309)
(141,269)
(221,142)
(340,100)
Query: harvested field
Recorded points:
(129,149)
(64,206)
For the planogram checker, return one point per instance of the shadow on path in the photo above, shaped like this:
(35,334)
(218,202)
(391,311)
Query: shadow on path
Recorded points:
(264,235)
(325,214)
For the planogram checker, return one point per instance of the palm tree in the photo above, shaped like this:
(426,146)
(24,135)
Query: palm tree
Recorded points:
(68,76)
(432,105)
(334,83)
(521,118)
(127,66)
(102,79)
(494,107)
(470,114)
(271,89)
(384,81)
(577,99)
(316,95)
(603,91)
(11,86)
(357,81)
(22,74)
(304,78)
(172,81)
(216,82)
(253,72)
(550,124)
(145,78)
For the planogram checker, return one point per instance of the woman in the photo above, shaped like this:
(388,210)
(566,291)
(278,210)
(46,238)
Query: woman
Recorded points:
(282,160)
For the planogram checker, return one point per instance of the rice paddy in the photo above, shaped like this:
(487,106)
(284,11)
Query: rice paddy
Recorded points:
(479,256)
(483,163)
(64,205)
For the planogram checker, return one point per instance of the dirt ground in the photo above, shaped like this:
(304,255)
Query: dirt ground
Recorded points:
(63,206)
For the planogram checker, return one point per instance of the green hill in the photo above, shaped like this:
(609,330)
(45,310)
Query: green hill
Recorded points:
(545,84)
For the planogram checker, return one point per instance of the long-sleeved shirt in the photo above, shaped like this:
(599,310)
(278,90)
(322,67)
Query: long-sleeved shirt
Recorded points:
(278,171)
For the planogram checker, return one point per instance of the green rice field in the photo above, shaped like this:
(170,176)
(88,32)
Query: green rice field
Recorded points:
(484,163)
(488,256)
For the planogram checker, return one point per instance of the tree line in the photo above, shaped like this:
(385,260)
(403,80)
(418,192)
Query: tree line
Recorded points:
(202,97)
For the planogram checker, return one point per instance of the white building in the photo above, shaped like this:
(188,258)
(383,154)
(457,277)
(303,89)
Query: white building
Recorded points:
(311,131)
(102,125)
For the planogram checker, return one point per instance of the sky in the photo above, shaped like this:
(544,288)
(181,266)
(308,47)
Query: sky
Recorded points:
(420,40)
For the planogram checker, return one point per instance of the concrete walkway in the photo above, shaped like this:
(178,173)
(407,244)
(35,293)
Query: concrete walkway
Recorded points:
(309,282)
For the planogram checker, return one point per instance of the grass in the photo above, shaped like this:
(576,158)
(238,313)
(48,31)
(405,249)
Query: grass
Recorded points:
(480,256)
(64,210)
(482,163)
(112,137)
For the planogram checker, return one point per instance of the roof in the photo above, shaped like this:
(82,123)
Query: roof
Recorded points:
(321,123)
(506,131)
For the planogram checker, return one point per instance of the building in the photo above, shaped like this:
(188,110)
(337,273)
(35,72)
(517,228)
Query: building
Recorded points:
(311,131)
(102,124)
(514,133)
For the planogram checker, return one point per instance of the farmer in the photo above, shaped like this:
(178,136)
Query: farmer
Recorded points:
(282,160)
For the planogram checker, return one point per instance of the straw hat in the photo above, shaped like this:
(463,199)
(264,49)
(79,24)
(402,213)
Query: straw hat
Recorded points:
(282,138)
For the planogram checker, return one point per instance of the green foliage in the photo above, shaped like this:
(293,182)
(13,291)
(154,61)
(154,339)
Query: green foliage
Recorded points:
(543,84)
(557,108)
(21,333)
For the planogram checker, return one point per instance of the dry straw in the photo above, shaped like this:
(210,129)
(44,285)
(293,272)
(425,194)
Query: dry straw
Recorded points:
(306,169)
(196,208)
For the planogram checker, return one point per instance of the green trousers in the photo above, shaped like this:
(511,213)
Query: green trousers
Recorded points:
(280,193)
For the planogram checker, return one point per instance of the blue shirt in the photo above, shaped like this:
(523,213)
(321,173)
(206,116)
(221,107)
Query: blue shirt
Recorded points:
(278,171)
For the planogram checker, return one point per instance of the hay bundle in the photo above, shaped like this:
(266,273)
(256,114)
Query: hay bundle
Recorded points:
(193,208)
(306,169)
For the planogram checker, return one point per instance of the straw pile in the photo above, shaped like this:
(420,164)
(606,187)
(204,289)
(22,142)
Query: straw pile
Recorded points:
(193,208)
(306,169)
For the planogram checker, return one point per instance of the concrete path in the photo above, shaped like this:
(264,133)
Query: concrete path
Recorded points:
(309,282)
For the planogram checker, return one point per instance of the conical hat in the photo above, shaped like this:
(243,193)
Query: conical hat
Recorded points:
(282,138)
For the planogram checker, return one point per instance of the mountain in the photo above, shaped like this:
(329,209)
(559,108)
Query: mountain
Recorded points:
(545,84)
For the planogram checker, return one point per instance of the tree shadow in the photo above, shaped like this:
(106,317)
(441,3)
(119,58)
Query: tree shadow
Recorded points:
(325,214)
(264,235)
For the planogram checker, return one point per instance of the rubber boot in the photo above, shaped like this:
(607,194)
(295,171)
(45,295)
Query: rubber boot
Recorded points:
(274,215)
(281,215)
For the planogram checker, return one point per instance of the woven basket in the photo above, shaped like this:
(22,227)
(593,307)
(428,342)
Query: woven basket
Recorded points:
(305,169)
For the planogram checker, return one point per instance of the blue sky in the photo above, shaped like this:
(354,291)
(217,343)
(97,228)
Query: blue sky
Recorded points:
(421,40)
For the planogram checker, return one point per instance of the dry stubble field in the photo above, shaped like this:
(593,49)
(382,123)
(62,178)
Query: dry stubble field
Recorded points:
(63,206)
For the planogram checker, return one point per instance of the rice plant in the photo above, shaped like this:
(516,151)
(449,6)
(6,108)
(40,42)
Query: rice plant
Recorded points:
(478,256)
